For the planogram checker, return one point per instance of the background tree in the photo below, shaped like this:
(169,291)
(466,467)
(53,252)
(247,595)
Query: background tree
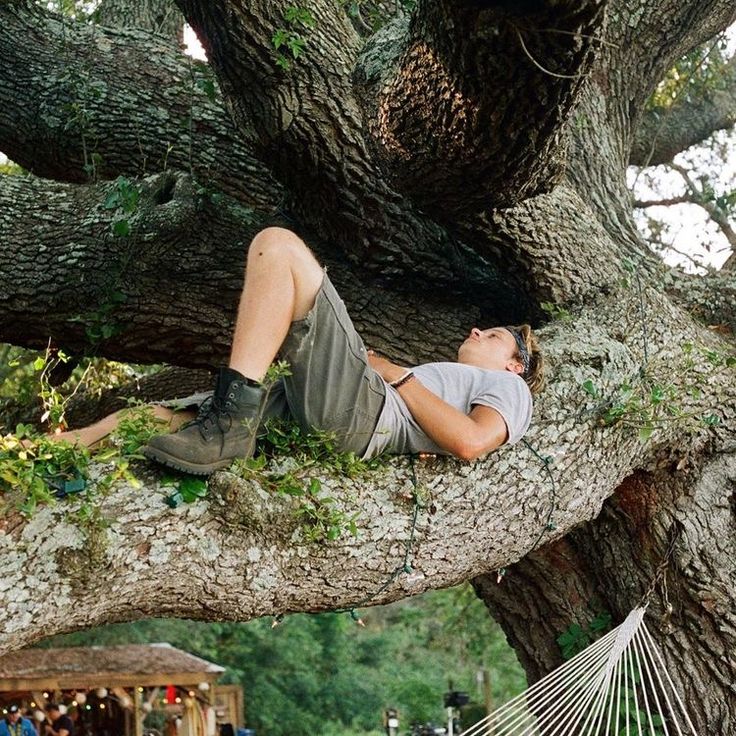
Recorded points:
(695,104)
(463,163)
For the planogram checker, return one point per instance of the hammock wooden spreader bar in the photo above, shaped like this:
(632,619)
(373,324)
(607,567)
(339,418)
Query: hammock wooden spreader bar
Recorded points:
(618,686)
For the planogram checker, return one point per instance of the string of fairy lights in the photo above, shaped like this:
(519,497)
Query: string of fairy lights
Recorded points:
(103,700)
(405,567)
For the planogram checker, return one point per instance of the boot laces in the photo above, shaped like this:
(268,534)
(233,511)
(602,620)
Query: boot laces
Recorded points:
(212,412)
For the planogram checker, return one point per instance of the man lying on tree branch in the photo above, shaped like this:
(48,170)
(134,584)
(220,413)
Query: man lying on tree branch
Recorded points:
(290,309)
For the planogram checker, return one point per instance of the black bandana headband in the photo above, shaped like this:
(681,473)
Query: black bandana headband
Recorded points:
(523,352)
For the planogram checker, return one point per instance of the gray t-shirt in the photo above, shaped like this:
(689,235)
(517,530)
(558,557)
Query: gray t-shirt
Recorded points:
(461,386)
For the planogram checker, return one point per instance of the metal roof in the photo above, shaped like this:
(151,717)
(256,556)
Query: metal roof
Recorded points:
(84,667)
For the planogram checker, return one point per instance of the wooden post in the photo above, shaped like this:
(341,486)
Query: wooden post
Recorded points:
(137,713)
(487,696)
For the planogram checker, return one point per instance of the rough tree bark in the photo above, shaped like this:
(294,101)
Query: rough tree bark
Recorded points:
(160,16)
(92,102)
(370,143)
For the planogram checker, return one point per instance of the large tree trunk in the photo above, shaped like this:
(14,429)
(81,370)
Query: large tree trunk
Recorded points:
(437,201)
(675,526)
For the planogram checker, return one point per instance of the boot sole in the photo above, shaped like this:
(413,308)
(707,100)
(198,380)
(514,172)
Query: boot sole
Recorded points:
(153,453)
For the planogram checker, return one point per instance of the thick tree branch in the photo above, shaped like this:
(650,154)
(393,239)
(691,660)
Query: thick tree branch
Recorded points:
(242,554)
(668,202)
(710,298)
(81,101)
(456,130)
(650,36)
(168,291)
(663,133)
(307,120)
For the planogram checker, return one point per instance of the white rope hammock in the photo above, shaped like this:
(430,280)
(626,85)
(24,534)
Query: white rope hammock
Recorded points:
(618,686)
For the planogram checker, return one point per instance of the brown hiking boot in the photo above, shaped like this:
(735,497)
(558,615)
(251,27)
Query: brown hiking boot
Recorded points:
(225,428)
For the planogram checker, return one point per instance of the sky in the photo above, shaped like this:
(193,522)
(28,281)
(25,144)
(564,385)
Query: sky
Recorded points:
(686,226)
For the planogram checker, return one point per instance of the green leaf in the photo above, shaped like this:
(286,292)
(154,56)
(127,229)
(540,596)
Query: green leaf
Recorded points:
(590,388)
(645,433)
(112,201)
(192,488)
(657,394)
(208,87)
(38,364)
(279,38)
(121,227)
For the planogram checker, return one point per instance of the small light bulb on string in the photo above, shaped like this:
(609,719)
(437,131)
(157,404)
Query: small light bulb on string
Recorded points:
(277,620)
(499,576)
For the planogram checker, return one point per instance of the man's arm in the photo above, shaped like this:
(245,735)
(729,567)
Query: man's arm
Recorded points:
(467,436)
(61,732)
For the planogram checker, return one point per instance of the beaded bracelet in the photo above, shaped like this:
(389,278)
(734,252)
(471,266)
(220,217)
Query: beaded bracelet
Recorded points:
(401,381)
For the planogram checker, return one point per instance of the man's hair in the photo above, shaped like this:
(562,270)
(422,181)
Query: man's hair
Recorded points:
(534,377)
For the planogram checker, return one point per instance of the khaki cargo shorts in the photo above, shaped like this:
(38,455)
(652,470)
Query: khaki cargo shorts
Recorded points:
(331,386)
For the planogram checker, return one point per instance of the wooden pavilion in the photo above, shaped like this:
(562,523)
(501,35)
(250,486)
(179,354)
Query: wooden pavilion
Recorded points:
(128,690)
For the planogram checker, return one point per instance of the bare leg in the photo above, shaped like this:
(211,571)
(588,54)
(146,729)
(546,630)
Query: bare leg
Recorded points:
(94,433)
(282,279)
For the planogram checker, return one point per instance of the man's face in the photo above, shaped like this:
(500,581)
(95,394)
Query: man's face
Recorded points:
(14,717)
(493,349)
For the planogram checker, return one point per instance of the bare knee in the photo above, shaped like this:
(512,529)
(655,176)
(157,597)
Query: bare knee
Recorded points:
(277,240)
